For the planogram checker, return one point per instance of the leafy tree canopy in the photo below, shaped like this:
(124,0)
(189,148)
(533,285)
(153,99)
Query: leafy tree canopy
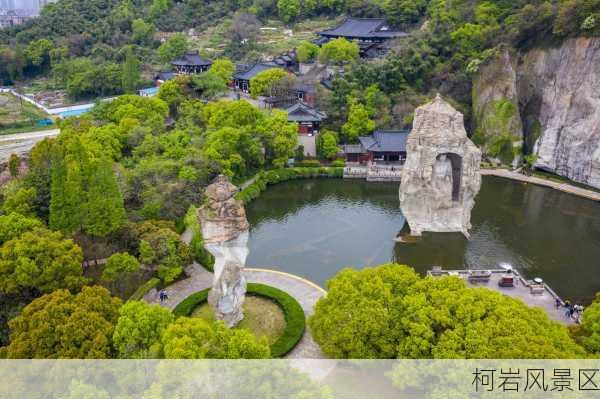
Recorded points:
(263,82)
(63,325)
(196,338)
(389,311)
(119,264)
(40,260)
(139,328)
(339,51)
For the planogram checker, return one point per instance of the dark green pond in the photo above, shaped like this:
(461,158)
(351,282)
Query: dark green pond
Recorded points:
(313,228)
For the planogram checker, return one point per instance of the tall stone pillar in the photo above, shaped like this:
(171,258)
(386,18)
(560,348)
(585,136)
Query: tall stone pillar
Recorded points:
(225,233)
(441,176)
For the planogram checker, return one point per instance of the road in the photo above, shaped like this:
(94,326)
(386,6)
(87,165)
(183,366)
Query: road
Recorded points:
(21,143)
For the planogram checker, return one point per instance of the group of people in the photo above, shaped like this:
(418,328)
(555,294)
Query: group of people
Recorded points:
(572,311)
(163,296)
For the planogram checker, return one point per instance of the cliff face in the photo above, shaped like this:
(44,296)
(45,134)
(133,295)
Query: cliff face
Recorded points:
(558,94)
(496,108)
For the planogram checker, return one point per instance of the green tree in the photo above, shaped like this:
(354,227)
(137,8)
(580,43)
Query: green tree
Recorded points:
(307,51)
(172,92)
(14,224)
(224,68)
(131,72)
(327,144)
(280,137)
(339,51)
(389,311)
(142,32)
(13,165)
(359,317)
(40,260)
(139,328)
(119,264)
(358,123)
(263,82)
(196,338)
(63,325)
(104,209)
(159,7)
(38,53)
(175,46)
(209,85)
(288,9)
(589,333)
(234,150)
(20,200)
(162,248)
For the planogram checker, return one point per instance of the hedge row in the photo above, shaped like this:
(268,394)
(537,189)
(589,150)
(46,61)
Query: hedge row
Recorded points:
(201,254)
(267,178)
(295,321)
(187,306)
(144,288)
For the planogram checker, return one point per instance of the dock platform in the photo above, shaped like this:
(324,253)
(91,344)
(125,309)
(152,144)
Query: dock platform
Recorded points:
(530,292)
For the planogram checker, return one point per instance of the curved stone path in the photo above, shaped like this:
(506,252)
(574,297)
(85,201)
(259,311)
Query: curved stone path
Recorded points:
(304,291)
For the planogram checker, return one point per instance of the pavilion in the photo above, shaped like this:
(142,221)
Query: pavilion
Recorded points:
(190,63)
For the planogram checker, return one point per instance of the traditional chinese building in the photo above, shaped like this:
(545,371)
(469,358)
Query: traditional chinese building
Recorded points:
(370,33)
(308,119)
(162,77)
(190,63)
(241,80)
(384,146)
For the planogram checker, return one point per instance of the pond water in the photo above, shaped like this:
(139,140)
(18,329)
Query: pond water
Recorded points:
(313,228)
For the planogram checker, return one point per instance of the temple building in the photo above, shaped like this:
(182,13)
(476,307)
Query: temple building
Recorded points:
(308,118)
(241,80)
(383,146)
(372,35)
(190,63)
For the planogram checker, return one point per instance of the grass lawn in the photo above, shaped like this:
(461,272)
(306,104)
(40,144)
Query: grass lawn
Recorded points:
(262,316)
(19,116)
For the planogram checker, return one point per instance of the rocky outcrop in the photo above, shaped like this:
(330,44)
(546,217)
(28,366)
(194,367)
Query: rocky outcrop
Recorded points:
(557,90)
(225,233)
(496,108)
(440,178)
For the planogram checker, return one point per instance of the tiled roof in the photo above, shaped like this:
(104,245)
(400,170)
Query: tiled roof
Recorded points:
(255,70)
(191,58)
(385,141)
(364,28)
(164,76)
(301,112)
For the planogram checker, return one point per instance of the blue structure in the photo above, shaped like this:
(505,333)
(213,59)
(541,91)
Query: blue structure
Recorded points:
(148,92)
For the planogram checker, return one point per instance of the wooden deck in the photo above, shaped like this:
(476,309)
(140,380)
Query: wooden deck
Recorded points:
(522,290)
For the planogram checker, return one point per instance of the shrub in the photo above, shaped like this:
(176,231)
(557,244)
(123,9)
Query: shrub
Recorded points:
(274,176)
(187,306)
(308,163)
(295,321)
(338,163)
(144,289)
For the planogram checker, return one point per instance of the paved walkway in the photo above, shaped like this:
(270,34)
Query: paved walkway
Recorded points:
(304,291)
(564,187)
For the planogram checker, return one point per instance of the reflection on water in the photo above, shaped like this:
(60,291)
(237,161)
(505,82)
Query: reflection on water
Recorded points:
(313,228)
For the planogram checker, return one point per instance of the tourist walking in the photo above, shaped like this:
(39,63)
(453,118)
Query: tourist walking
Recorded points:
(558,303)
(163,296)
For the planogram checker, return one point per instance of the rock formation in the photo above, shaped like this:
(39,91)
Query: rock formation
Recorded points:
(440,178)
(225,232)
(496,108)
(559,106)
